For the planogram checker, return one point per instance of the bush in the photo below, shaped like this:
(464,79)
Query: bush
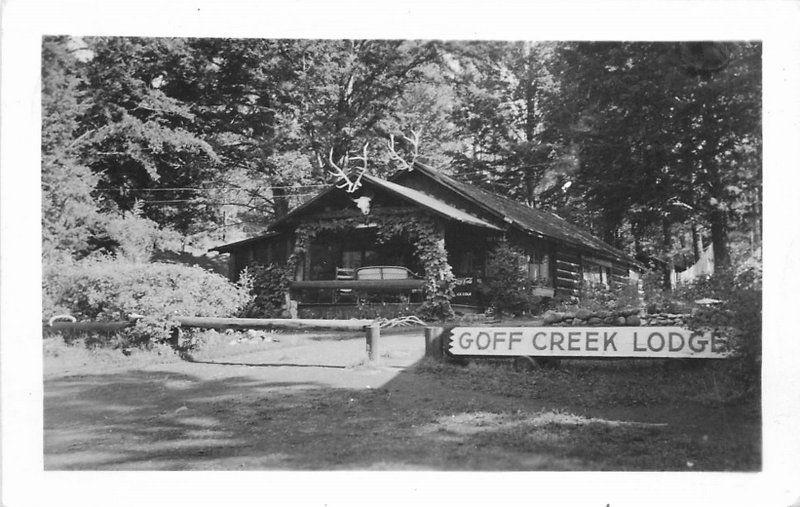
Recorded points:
(738,316)
(438,308)
(599,298)
(111,290)
(269,285)
(658,299)
(506,287)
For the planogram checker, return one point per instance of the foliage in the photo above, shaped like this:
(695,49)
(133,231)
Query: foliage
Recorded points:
(656,142)
(268,287)
(600,297)
(738,317)
(437,308)
(506,286)
(69,212)
(658,299)
(500,90)
(628,139)
(112,290)
(133,237)
(345,91)
(204,130)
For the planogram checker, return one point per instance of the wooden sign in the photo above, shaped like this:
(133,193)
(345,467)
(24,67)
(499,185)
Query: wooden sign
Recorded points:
(645,342)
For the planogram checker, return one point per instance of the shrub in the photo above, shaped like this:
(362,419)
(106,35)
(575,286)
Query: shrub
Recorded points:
(132,237)
(437,308)
(738,316)
(506,287)
(268,287)
(598,298)
(658,299)
(110,290)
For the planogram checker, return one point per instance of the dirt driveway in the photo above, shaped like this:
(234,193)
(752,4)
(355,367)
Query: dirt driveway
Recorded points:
(313,404)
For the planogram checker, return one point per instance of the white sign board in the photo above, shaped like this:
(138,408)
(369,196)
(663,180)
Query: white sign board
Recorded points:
(586,342)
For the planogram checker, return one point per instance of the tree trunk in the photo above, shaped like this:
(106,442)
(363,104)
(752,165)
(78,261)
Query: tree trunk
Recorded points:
(697,241)
(529,188)
(719,239)
(530,125)
(281,200)
(666,230)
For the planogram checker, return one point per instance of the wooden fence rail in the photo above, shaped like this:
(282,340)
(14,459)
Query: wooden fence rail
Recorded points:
(370,328)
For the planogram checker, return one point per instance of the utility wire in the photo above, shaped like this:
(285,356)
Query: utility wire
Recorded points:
(206,201)
(167,189)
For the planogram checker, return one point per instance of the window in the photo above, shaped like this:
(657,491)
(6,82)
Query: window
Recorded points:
(538,267)
(596,272)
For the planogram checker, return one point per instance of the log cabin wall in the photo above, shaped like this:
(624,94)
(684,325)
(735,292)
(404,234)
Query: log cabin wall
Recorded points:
(619,276)
(568,273)
(272,250)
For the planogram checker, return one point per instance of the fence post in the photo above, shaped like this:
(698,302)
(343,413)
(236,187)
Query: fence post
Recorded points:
(373,336)
(433,342)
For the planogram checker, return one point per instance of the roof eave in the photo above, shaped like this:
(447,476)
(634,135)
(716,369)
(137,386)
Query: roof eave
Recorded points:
(227,248)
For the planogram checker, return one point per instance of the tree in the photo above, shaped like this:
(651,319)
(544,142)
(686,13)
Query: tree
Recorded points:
(135,135)
(69,211)
(502,90)
(659,141)
(345,91)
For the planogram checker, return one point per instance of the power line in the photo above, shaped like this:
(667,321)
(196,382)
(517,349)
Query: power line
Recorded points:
(207,202)
(167,189)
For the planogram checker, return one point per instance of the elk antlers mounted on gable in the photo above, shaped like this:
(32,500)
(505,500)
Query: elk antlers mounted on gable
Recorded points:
(412,142)
(343,180)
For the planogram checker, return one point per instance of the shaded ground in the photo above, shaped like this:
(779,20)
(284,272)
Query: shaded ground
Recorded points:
(306,403)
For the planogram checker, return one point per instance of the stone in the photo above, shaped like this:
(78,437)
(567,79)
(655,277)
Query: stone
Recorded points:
(551,317)
(595,321)
(579,322)
(620,321)
(583,313)
(569,321)
(569,315)
(633,320)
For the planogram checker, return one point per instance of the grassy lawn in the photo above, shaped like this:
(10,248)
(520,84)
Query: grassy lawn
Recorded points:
(305,402)
(618,415)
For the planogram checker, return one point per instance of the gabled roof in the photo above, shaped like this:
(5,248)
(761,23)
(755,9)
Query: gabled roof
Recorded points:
(431,203)
(408,194)
(525,218)
(507,212)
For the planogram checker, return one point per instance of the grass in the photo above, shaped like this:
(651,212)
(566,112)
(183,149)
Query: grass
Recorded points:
(584,415)
(615,415)
(63,354)
(602,382)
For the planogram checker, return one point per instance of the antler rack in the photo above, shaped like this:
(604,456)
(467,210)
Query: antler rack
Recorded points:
(343,180)
(413,142)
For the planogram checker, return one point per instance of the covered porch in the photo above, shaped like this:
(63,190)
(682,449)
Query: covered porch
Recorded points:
(354,266)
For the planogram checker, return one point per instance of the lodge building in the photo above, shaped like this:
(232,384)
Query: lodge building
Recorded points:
(350,252)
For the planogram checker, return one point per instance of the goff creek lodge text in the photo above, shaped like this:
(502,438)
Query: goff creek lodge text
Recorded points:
(586,342)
